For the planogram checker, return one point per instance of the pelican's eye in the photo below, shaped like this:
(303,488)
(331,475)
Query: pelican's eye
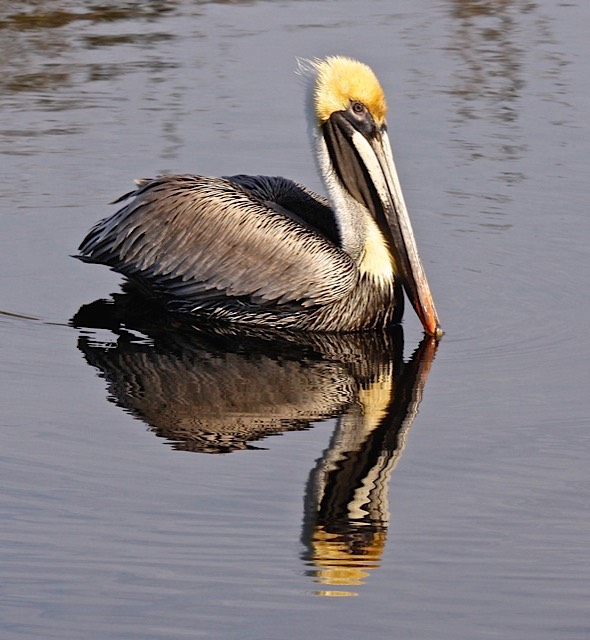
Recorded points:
(361,119)
(358,108)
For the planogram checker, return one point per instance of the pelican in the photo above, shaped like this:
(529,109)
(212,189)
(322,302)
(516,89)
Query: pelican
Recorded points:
(268,252)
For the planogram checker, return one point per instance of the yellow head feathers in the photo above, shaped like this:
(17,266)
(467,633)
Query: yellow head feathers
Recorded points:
(340,80)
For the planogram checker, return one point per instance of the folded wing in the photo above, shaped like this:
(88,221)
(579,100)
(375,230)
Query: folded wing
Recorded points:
(195,238)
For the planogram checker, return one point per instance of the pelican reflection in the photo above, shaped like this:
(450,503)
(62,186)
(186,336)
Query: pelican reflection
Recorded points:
(216,391)
(346,502)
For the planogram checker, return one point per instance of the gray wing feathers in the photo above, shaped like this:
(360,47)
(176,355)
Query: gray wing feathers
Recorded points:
(198,237)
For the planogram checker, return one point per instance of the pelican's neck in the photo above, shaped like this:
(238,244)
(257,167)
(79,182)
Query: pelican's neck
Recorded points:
(350,215)
(360,236)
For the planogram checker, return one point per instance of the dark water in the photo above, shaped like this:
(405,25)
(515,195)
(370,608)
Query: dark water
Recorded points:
(145,491)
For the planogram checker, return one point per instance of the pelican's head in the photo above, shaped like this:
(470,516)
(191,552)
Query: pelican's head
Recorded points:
(349,111)
(342,81)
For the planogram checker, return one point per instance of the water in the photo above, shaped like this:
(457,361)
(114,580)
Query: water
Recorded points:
(467,519)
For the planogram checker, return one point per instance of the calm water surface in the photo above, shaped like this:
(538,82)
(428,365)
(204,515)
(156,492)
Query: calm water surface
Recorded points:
(146,491)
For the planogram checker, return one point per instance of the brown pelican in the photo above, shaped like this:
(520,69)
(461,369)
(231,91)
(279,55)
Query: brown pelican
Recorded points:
(266,251)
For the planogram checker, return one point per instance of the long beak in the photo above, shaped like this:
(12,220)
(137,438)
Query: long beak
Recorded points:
(392,216)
